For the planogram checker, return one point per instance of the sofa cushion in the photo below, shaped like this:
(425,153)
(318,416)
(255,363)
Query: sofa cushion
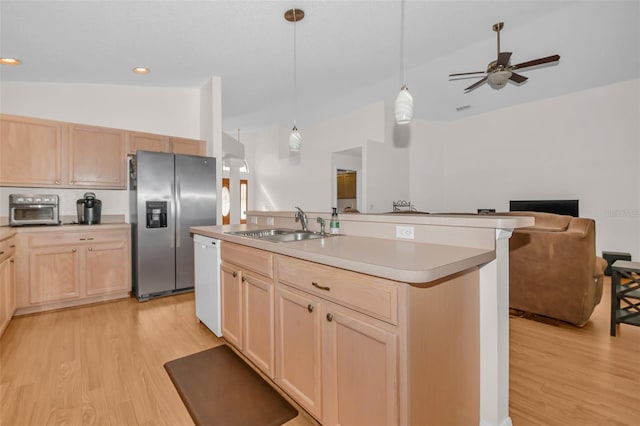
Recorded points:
(548,222)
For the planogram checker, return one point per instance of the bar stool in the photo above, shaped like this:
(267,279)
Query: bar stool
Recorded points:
(629,292)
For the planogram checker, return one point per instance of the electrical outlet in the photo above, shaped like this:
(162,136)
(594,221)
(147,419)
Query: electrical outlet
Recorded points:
(270,221)
(254,219)
(405,232)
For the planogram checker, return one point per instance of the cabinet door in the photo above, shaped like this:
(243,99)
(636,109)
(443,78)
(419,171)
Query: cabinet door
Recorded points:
(258,322)
(147,142)
(187,146)
(30,152)
(107,268)
(97,157)
(54,274)
(231,304)
(298,348)
(7,292)
(360,371)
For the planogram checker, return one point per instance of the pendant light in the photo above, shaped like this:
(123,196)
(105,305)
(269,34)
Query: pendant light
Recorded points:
(295,140)
(404,100)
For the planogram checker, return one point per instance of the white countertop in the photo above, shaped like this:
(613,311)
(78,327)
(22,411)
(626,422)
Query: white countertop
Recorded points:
(398,260)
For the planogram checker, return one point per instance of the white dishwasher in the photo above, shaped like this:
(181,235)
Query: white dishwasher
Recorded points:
(207,282)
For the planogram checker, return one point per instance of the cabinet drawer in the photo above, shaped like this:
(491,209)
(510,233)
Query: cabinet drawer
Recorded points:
(373,296)
(255,260)
(7,247)
(61,237)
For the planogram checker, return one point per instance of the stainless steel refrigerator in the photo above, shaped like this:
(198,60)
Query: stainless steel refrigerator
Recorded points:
(168,193)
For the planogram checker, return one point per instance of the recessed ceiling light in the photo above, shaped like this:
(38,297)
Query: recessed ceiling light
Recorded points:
(10,61)
(141,70)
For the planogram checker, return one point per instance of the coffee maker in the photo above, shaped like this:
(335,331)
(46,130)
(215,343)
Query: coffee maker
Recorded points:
(89,209)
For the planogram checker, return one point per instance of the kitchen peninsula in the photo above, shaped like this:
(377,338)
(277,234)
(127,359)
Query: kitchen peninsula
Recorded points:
(367,328)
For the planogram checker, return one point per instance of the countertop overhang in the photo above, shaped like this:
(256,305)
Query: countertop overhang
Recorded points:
(398,260)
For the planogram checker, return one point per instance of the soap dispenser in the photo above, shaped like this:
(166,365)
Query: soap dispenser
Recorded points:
(334,225)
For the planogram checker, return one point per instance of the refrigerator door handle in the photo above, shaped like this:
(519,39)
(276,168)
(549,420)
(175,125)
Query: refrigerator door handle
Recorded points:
(172,222)
(178,198)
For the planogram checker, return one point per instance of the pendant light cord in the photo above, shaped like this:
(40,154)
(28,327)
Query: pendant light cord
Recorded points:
(295,72)
(402,42)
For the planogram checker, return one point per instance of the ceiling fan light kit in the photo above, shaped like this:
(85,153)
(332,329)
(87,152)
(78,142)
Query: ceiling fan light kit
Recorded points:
(295,139)
(500,71)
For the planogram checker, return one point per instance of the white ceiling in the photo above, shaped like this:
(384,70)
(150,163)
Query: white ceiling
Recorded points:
(348,51)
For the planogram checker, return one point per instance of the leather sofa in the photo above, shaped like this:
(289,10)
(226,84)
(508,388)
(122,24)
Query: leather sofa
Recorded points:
(553,267)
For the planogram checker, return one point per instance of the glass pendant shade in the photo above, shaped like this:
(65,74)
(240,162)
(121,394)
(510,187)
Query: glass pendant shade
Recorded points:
(295,140)
(404,106)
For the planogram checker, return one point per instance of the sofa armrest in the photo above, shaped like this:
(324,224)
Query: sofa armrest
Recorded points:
(599,266)
(579,225)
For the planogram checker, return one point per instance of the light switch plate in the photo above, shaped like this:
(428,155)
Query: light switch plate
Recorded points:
(270,221)
(405,232)
(254,219)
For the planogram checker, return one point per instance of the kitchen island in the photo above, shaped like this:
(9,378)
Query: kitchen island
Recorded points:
(367,328)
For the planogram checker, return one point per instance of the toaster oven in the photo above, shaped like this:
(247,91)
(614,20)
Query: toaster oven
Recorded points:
(33,209)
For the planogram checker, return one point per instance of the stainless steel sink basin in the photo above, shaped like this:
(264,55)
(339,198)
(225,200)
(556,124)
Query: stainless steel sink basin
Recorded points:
(280,235)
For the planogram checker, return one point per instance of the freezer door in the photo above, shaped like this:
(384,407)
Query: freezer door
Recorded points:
(155,249)
(195,188)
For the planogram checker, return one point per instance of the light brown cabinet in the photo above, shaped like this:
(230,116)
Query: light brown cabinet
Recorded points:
(44,153)
(147,142)
(187,146)
(59,268)
(247,302)
(332,342)
(97,157)
(31,152)
(7,282)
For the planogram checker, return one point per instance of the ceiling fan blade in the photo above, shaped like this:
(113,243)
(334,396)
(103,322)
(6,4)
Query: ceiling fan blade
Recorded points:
(466,73)
(535,62)
(518,78)
(476,84)
(503,59)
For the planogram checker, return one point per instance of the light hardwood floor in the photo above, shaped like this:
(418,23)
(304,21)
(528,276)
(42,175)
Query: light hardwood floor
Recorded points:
(103,365)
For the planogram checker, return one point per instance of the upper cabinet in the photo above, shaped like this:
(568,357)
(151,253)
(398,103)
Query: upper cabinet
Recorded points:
(187,146)
(46,153)
(147,142)
(31,152)
(160,143)
(97,157)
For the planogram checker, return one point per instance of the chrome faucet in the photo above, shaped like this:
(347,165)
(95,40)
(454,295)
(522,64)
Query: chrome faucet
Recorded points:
(302,217)
(322,222)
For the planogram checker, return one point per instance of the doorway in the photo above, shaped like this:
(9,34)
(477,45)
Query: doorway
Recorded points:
(348,180)
(347,190)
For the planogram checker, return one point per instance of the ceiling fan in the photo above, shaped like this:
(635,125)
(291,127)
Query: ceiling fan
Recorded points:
(500,71)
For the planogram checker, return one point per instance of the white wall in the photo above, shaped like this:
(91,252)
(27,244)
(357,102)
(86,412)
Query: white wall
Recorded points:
(282,180)
(585,145)
(168,111)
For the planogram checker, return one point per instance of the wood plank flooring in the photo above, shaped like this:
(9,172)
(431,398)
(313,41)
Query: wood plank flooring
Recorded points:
(103,365)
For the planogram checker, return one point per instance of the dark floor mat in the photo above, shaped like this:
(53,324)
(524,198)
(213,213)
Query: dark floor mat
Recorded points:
(218,388)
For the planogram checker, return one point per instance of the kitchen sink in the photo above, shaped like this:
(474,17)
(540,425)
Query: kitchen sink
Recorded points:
(280,235)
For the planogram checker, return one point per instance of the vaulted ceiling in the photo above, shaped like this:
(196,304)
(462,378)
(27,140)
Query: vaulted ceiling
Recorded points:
(348,52)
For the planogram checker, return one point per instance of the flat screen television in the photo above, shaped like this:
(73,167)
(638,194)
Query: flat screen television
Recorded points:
(566,207)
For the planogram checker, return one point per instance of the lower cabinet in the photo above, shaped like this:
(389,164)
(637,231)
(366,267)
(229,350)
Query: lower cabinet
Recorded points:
(7,283)
(248,304)
(65,268)
(339,364)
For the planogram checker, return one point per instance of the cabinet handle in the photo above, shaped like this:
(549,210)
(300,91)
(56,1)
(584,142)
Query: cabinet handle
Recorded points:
(321,287)
(2,252)
(71,182)
(12,261)
(310,307)
(12,246)
(57,182)
(83,239)
(90,249)
(235,274)
(329,317)
(244,279)
(90,238)
(74,250)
